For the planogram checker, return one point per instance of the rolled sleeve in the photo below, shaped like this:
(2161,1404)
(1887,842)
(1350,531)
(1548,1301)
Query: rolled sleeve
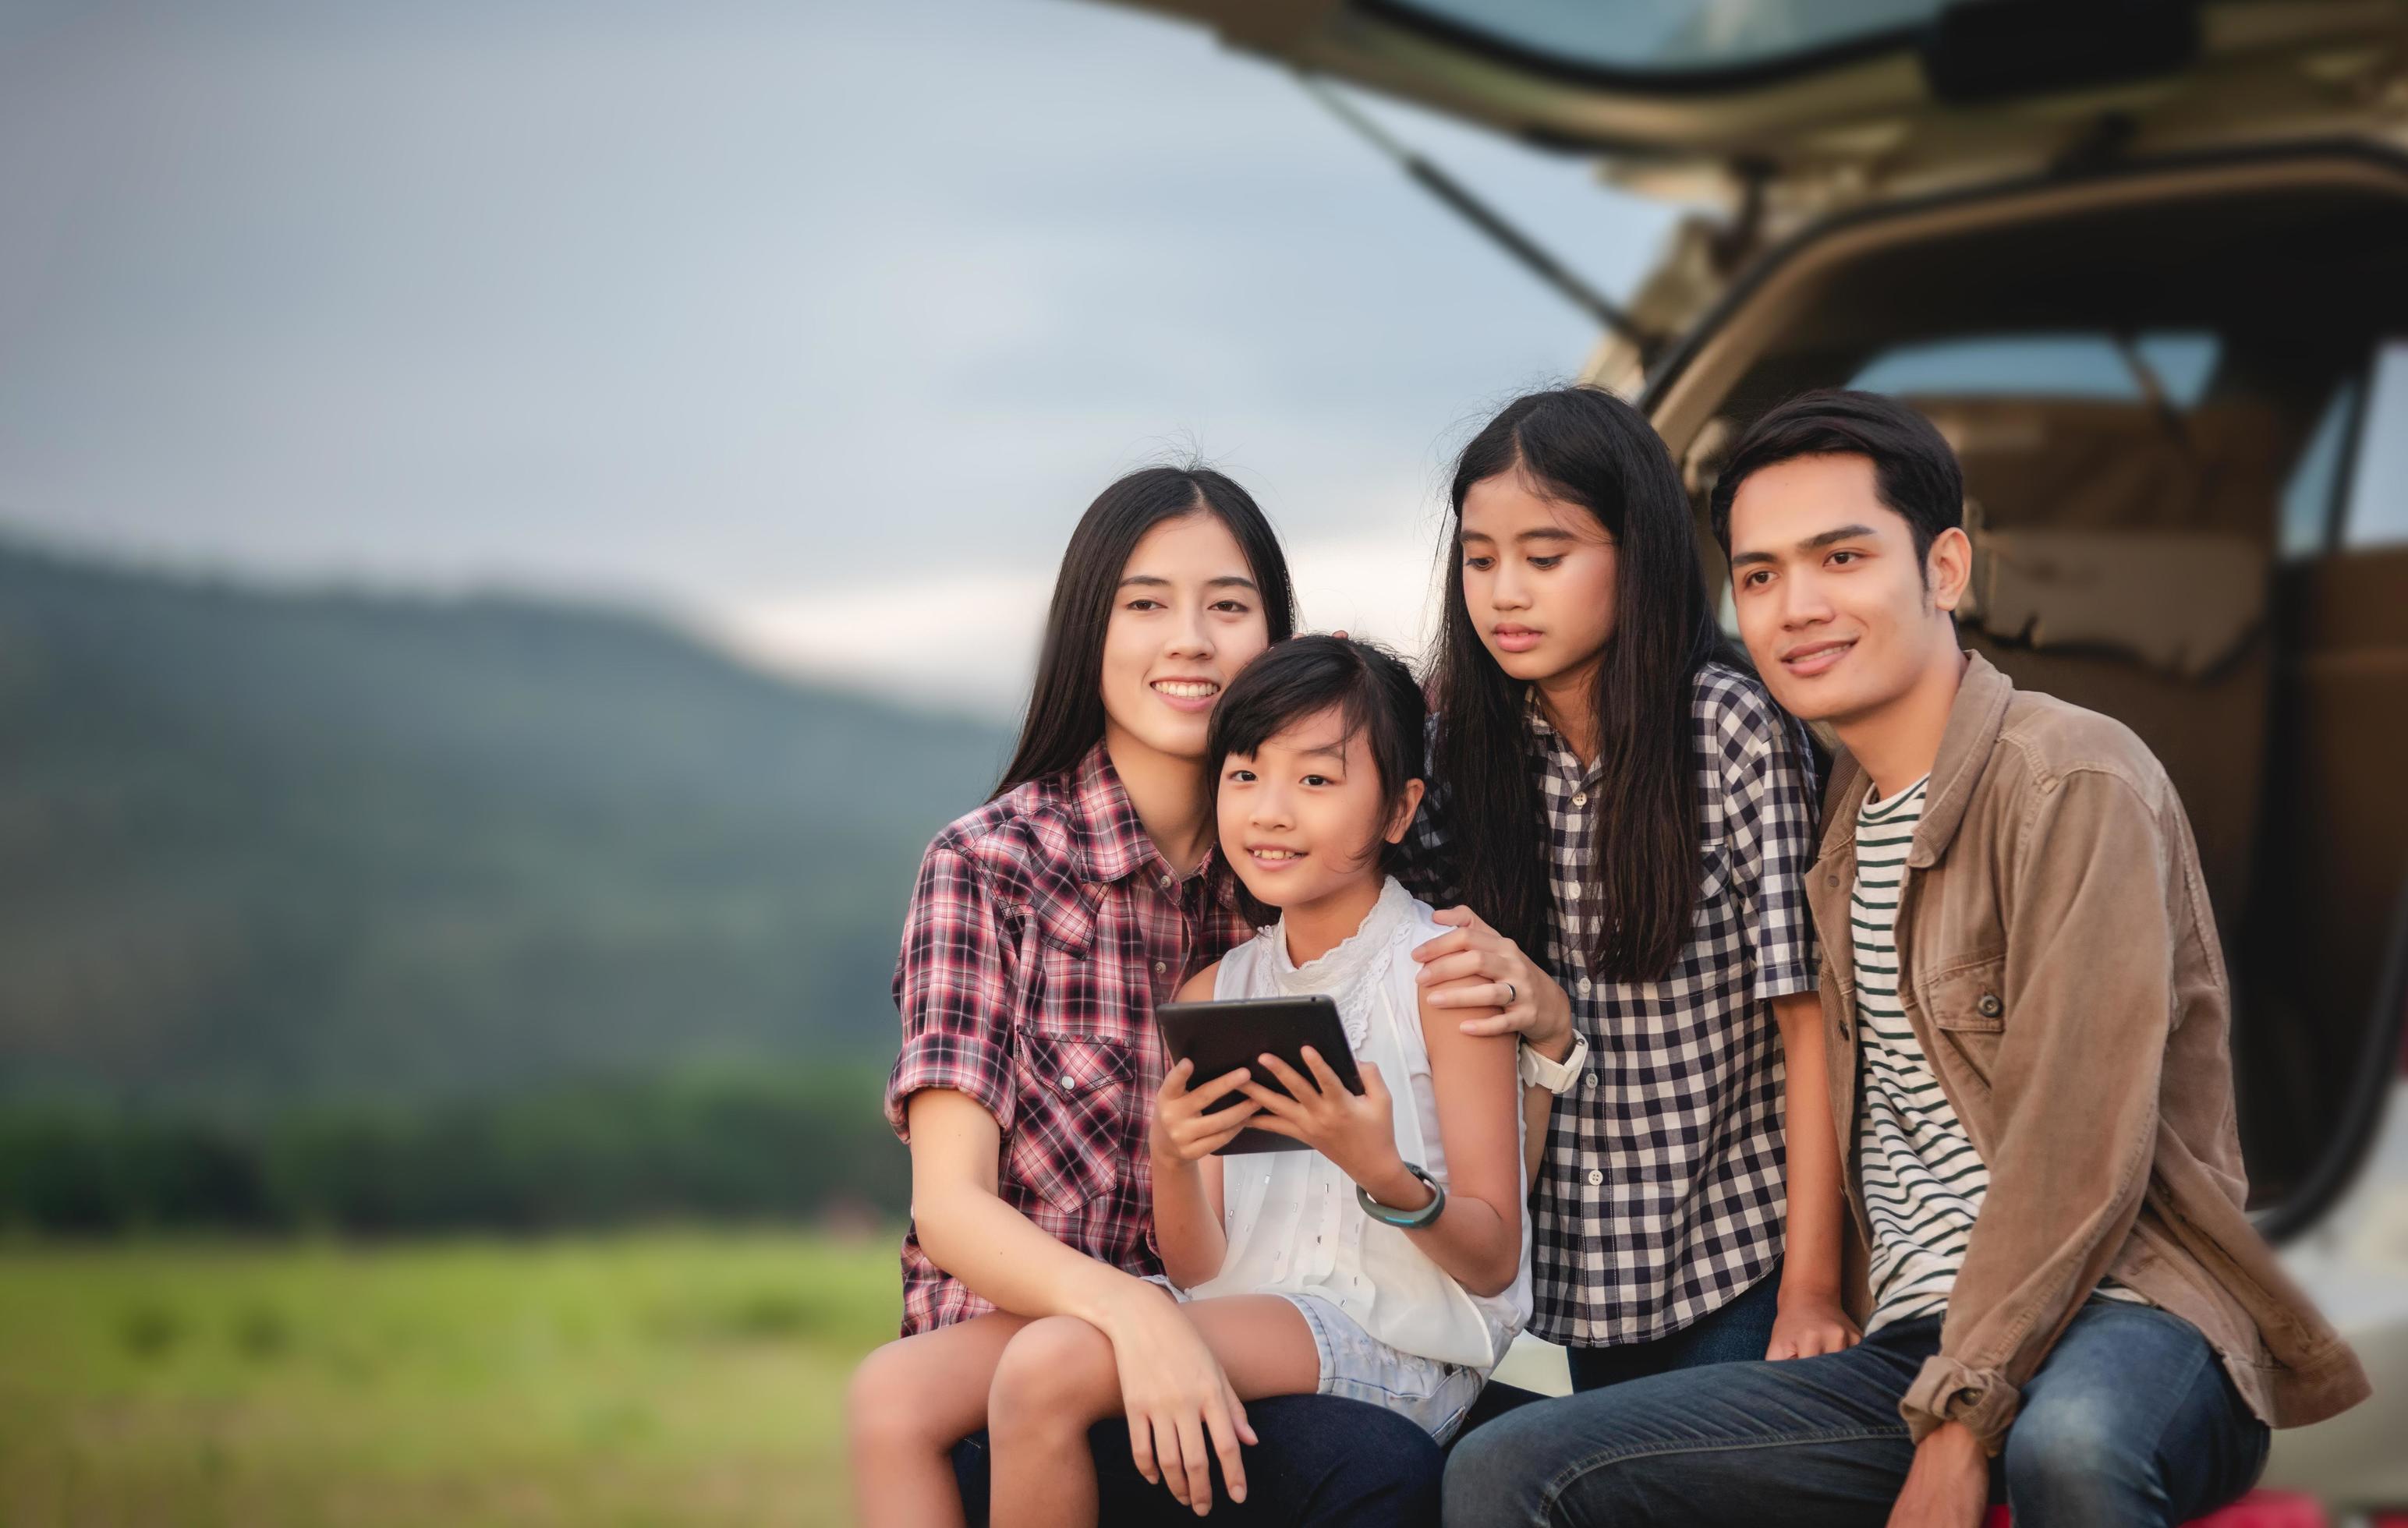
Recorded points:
(1946,1390)
(1768,829)
(952,987)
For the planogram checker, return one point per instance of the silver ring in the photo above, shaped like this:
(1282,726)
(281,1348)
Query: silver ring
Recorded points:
(1512,994)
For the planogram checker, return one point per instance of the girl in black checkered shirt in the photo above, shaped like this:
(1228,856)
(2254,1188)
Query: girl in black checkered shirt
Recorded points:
(1628,818)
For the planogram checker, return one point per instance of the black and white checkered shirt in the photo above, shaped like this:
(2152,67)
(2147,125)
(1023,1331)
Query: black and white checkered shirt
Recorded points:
(1661,1198)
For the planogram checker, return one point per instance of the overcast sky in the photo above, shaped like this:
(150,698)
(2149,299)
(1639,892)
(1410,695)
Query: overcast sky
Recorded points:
(815,325)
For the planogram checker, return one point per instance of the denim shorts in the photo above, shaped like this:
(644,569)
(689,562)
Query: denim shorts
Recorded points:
(1430,1394)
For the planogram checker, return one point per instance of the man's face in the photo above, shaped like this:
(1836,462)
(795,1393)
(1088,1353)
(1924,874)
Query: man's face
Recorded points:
(1834,606)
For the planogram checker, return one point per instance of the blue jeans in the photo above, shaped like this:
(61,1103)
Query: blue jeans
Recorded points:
(1740,1331)
(1323,1461)
(2129,1420)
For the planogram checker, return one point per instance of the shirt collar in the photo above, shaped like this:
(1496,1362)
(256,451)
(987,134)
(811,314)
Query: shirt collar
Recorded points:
(1551,745)
(1974,722)
(1108,841)
(1975,718)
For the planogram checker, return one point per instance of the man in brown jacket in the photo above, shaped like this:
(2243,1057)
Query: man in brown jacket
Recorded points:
(2026,1010)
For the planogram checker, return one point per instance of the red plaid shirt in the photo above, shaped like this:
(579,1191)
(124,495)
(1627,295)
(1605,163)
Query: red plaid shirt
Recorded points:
(1044,929)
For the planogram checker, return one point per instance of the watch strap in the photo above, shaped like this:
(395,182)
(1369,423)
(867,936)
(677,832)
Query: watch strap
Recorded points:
(1556,1076)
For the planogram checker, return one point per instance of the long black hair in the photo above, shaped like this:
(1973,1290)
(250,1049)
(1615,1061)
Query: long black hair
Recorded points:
(1585,447)
(1377,701)
(1066,708)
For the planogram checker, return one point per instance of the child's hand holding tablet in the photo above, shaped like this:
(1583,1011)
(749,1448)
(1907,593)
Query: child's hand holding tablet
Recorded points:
(1217,1038)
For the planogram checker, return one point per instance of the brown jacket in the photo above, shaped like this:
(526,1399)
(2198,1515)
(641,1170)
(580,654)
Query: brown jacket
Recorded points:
(2059,967)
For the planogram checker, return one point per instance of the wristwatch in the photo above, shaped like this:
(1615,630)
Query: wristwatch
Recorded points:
(1405,1219)
(1556,1076)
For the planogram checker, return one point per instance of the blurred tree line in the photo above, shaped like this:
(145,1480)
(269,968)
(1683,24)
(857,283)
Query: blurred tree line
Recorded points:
(706,1142)
(327,909)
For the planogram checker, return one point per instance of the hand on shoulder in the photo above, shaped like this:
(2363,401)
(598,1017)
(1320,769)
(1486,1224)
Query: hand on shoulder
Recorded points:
(1495,988)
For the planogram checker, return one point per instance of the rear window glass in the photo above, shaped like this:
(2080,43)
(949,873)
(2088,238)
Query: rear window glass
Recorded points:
(1640,36)
(2308,496)
(2064,366)
(2378,488)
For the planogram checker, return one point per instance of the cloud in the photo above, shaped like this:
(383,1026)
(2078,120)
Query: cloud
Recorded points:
(737,308)
(1381,588)
(969,640)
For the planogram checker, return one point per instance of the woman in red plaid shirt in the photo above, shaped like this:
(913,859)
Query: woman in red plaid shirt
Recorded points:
(1045,927)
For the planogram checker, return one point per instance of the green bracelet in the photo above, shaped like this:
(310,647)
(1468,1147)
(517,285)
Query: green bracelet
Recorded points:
(1405,1219)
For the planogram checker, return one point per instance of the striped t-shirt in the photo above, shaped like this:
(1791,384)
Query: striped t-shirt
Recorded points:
(1922,1179)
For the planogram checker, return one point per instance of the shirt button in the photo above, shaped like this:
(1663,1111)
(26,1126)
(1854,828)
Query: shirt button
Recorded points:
(1595,1177)
(1580,798)
(1589,1082)
(1160,966)
(1068,1084)
(1583,985)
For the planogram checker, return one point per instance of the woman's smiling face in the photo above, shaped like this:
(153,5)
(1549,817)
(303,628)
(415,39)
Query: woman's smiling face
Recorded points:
(1186,617)
(1538,577)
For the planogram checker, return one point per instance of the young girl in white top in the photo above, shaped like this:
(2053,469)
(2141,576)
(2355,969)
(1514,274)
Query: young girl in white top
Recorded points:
(1391,1262)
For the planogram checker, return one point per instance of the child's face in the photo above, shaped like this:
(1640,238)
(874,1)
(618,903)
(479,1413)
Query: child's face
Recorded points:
(1538,579)
(1302,819)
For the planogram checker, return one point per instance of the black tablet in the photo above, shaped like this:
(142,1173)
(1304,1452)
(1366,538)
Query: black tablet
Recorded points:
(1221,1035)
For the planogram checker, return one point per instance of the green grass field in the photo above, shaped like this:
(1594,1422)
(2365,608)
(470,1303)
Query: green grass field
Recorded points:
(658,1378)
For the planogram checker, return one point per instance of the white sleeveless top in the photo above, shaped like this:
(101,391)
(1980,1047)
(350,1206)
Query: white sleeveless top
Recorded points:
(1292,1224)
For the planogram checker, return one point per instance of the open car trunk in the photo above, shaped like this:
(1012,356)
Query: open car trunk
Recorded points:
(2160,382)
(2142,263)
(1826,101)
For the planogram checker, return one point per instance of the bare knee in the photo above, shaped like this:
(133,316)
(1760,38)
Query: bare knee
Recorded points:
(886,1405)
(1056,1374)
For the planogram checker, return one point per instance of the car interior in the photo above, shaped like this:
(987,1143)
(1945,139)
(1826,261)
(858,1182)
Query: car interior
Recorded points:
(2171,389)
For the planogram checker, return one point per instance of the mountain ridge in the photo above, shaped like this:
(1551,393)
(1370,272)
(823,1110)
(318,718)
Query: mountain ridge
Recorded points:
(262,843)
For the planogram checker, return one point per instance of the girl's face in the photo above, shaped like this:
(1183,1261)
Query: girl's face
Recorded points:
(1186,617)
(1537,579)
(1302,818)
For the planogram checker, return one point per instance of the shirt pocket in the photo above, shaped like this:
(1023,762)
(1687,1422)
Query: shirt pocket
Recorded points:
(1070,1140)
(1966,1004)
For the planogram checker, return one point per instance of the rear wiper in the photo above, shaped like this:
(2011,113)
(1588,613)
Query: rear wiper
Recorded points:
(1478,213)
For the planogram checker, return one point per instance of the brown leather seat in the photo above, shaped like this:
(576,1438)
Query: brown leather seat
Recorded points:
(2124,562)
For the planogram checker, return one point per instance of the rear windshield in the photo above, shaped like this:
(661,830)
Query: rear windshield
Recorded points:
(1669,36)
(2174,364)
